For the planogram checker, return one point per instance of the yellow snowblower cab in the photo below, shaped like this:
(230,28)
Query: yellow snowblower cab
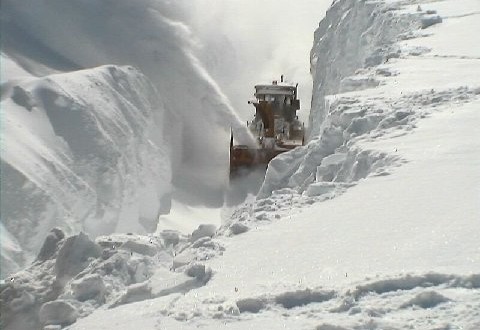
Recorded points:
(275,126)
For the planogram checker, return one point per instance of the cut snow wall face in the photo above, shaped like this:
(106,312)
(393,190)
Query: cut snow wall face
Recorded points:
(146,35)
(108,166)
(353,35)
(81,151)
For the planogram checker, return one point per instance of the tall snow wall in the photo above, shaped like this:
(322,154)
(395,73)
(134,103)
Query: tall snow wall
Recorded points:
(147,35)
(80,151)
(100,150)
(354,36)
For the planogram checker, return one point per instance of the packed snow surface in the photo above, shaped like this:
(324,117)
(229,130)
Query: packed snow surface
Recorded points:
(374,224)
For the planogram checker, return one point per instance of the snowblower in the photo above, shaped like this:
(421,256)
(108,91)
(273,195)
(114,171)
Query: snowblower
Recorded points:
(275,126)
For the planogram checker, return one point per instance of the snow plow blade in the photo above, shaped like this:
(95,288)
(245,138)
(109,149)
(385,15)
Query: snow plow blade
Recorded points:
(244,159)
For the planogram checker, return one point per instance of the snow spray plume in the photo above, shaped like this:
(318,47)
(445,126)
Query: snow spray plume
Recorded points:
(147,35)
(255,42)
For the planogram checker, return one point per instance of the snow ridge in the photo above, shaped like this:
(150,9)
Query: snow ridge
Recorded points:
(143,128)
(72,276)
(353,46)
(353,35)
(78,149)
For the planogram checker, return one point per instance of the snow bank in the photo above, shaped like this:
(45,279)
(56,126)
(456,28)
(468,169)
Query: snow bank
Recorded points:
(72,276)
(81,151)
(353,46)
(58,313)
(147,35)
(352,35)
(97,150)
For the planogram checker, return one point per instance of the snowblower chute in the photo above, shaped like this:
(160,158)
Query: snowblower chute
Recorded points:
(275,126)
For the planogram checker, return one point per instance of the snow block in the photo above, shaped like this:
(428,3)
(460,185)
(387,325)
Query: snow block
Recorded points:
(88,287)
(330,327)
(469,282)
(303,297)
(58,312)
(49,246)
(357,83)
(23,98)
(321,188)
(429,20)
(427,299)
(204,230)
(170,237)
(407,282)
(22,303)
(134,293)
(238,228)
(196,270)
(250,305)
(143,248)
(74,254)
(182,259)
(205,242)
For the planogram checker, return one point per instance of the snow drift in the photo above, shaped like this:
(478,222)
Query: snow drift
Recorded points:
(351,43)
(81,151)
(91,149)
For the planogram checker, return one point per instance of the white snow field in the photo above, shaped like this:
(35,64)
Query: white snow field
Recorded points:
(374,224)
